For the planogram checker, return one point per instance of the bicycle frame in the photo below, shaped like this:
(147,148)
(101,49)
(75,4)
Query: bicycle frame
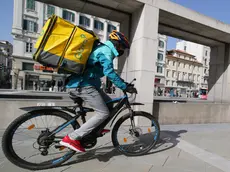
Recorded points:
(113,114)
(83,110)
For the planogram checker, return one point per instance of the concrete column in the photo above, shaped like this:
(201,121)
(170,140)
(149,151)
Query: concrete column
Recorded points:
(18,7)
(77,18)
(142,57)
(219,78)
(105,31)
(41,7)
(91,22)
(118,27)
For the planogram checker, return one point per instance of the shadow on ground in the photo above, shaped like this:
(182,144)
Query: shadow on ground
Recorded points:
(168,140)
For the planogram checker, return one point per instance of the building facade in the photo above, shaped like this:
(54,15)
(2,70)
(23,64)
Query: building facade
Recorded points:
(6,50)
(159,85)
(202,54)
(28,20)
(183,74)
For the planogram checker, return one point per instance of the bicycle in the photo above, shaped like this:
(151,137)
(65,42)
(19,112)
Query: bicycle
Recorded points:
(48,138)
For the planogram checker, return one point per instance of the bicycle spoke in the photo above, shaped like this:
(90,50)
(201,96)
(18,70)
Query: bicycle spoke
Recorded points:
(35,125)
(26,136)
(142,135)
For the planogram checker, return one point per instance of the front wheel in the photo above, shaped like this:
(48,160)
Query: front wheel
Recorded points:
(135,136)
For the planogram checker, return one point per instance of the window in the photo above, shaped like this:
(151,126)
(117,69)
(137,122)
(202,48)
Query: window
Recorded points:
(170,62)
(185,48)
(50,10)
(111,28)
(205,61)
(184,65)
(30,26)
(173,83)
(198,77)
(67,15)
(195,68)
(167,74)
(174,63)
(159,69)
(29,47)
(160,56)
(84,21)
(190,76)
(161,44)
(205,71)
(167,82)
(27,66)
(174,74)
(30,4)
(206,53)
(98,25)
(185,76)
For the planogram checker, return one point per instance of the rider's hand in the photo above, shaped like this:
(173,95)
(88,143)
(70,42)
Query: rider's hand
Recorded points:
(131,89)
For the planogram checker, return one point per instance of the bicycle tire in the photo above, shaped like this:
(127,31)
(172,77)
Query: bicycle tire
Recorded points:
(125,117)
(8,136)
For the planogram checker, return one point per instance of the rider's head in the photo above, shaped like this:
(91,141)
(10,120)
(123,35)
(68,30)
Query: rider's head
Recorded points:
(119,41)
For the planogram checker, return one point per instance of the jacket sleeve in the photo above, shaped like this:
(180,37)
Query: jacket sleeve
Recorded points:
(108,70)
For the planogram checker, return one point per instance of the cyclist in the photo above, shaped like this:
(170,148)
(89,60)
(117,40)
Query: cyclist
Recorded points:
(100,63)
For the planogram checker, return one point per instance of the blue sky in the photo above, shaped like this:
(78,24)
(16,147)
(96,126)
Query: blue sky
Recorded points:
(6,19)
(218,9)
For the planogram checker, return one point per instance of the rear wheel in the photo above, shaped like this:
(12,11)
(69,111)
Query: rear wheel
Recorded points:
(138,136)
(23,142)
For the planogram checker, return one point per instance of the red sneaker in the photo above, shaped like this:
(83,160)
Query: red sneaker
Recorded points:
(72,144)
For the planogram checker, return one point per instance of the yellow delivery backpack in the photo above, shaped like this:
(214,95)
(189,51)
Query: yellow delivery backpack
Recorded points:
(64,46)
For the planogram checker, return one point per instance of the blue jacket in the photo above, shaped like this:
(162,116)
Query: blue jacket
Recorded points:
(100,63)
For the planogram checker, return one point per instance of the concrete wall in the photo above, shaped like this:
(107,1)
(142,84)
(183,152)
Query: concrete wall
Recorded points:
(191,113)
(10,108)
(166,113)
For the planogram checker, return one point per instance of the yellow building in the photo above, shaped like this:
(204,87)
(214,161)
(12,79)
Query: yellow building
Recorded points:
(183,74)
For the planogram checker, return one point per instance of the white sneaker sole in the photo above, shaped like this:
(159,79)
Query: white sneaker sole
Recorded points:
(69,146)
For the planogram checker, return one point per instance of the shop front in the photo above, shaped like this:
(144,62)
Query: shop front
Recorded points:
(159,87)
(42,78)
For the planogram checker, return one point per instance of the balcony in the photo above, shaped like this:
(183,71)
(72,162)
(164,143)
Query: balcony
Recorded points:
(31,13)
(204,84)
(185,80)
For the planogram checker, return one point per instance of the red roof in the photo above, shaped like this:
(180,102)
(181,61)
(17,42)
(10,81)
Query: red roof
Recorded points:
(180,51)
(169,55)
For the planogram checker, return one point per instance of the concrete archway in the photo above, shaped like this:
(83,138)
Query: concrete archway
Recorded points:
(142,20)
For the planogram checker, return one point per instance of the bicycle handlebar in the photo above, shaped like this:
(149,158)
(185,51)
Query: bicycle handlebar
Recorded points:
(133,81)
(132,85)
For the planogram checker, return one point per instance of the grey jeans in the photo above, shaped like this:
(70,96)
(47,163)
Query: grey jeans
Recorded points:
(96,99)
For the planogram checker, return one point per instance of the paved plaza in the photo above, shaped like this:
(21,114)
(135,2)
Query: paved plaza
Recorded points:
(183,148)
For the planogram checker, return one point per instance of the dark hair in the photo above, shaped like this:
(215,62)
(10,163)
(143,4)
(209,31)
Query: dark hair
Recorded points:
(115,43)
